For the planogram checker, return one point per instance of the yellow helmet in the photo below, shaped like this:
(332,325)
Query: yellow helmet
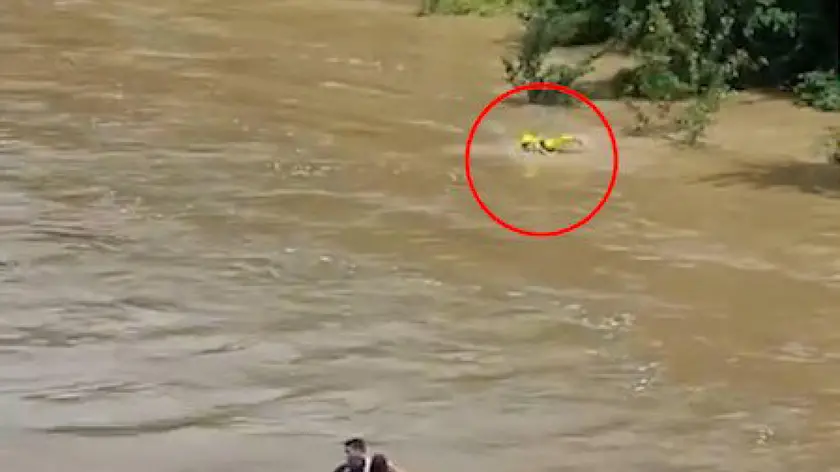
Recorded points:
(528,138)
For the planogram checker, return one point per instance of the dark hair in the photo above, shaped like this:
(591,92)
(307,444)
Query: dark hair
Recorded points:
(356,443)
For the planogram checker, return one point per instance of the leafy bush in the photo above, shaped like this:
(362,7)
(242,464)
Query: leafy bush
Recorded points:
(531,65)
(819,89)
(538,71)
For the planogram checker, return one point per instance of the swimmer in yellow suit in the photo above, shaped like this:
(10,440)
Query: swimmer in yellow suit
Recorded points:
(533,143)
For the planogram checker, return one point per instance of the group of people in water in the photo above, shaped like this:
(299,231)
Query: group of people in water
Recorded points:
(358,459)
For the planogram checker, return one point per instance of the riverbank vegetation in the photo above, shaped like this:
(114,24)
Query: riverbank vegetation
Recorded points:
(688,55)
(473,7)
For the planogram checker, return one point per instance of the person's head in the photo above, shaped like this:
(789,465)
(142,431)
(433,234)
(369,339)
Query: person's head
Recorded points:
(528,139)
(355,449)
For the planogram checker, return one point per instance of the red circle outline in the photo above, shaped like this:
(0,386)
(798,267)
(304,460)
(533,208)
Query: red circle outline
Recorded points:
(567,91)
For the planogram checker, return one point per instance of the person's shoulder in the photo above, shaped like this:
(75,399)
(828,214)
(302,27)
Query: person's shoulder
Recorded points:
(379,462)
(343,467)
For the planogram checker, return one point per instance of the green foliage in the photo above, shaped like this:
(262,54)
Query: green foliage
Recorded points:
(568,22)
(531,61)
(536,70)
(471,7)
(690,50)
(819,89)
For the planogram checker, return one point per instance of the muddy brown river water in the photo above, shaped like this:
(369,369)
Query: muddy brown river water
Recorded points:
(232,233)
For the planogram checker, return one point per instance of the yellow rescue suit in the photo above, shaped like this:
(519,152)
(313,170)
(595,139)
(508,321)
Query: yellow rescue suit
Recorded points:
(530,142)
